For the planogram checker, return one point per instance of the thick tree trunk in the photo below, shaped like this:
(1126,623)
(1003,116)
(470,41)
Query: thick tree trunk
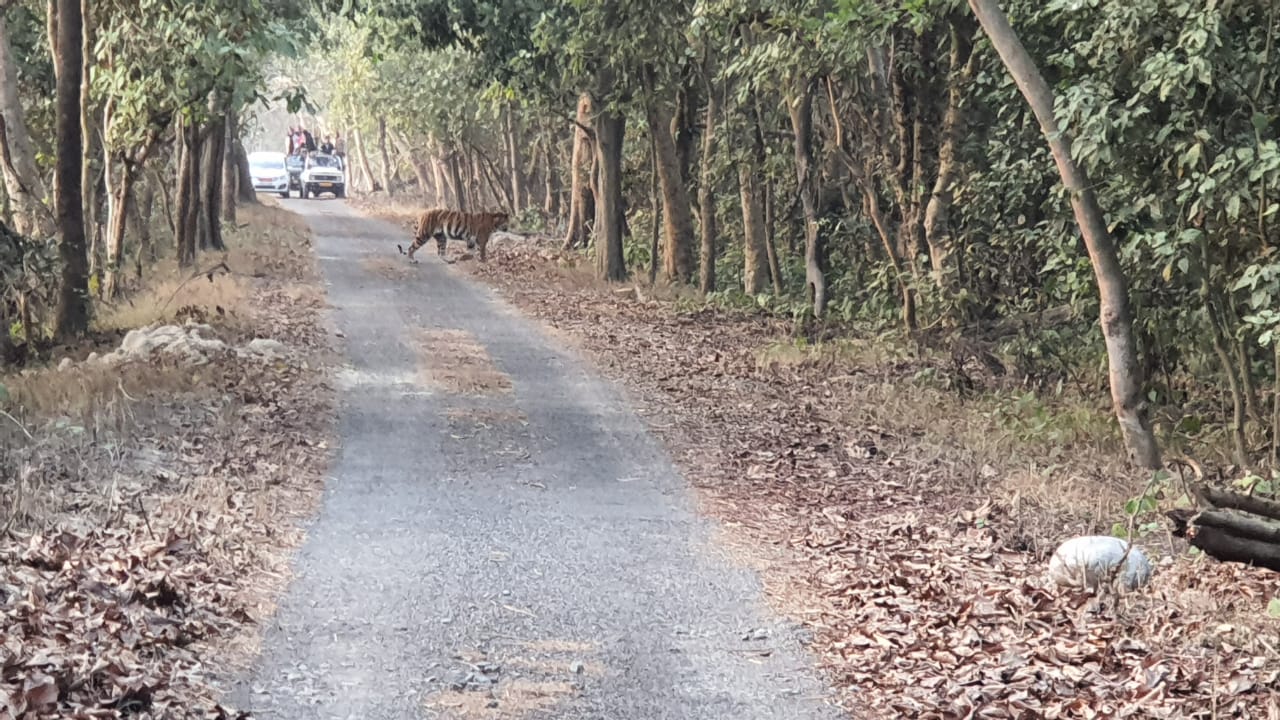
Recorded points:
(581,199)
(229,175)
(677,215)
(755,271)
(185,199)
(610,129)
(706,184)
(1113,290)
(211,182)
(245,194)
(386,158)
(800,107)
(72,317)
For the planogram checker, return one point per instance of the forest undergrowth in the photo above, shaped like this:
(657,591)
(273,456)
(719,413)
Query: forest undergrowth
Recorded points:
(149,508)
(907,525)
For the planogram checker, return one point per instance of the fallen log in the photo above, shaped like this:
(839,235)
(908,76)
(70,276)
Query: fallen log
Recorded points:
(1239,525)
(1228,544)
(1235,501)
(1232,527)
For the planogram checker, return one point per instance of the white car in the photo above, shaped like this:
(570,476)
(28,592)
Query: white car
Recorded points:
(323,173)
(269,173)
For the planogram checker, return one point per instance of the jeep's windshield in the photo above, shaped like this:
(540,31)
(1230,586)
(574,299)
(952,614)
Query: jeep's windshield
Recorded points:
(325,161)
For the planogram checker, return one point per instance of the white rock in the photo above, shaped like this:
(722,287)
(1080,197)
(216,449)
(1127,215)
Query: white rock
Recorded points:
(266,348)
(93,357)
(184,341)
(1087,561)
(64,364)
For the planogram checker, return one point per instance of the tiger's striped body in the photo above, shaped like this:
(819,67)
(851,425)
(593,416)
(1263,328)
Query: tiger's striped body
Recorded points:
(445,225)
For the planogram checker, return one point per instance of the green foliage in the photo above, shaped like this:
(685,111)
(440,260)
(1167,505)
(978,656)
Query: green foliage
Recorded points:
(1140,512)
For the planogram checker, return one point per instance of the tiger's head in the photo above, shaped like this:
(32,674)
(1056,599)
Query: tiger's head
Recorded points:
(499,220)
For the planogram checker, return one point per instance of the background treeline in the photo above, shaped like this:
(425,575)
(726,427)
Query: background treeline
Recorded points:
(867,163)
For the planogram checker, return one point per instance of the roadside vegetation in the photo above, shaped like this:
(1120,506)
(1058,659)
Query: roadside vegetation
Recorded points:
(914,291)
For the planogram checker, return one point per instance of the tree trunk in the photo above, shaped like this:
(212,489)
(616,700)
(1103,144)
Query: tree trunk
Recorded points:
(386,158)
(142,218)
(19,147)
(654,202)
(121,199)
(185,199)
(229,175)
(706,185)
(677,216)
(440,177)
(455,179)
(363,157)
(936,234)
(610,129)
(1113,290)
(72,318)
(211,181)
(401,145)
(245,194)
(755,271)
(519,191)
(800,106)
(92,147)
(581,200)
(550,179)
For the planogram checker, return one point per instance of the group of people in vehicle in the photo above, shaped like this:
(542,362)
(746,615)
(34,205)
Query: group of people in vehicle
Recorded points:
(300,142)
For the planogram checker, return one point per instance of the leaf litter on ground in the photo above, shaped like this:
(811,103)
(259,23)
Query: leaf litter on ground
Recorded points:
(917,587)
(153,541)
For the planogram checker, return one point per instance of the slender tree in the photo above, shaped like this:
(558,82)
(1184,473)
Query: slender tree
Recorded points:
(73,293)
(1113,290)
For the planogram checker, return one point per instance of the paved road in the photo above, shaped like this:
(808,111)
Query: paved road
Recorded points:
(503,542)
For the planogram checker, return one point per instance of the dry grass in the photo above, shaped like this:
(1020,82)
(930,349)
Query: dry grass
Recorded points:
(266,242)
(454,361)
(231,451)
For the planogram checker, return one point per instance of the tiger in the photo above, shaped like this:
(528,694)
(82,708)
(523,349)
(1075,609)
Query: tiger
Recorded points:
(445,225)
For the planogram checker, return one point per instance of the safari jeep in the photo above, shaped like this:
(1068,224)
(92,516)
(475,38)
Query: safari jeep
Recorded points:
(323,173)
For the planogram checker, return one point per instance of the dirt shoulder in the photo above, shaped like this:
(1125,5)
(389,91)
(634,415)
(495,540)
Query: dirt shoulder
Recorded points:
(907,525)
(150,499)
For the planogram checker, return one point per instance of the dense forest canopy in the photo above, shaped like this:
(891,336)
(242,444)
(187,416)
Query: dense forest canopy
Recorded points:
(852,164)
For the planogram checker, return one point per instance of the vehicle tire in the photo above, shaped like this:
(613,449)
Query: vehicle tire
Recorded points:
(340,192)
(285,194)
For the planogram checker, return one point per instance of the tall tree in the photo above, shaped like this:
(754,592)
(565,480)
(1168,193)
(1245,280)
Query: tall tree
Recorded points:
(73,293)
(1127,398)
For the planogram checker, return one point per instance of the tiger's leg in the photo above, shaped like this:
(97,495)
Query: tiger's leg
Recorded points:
(483,243)
(417,243)
(442,238)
